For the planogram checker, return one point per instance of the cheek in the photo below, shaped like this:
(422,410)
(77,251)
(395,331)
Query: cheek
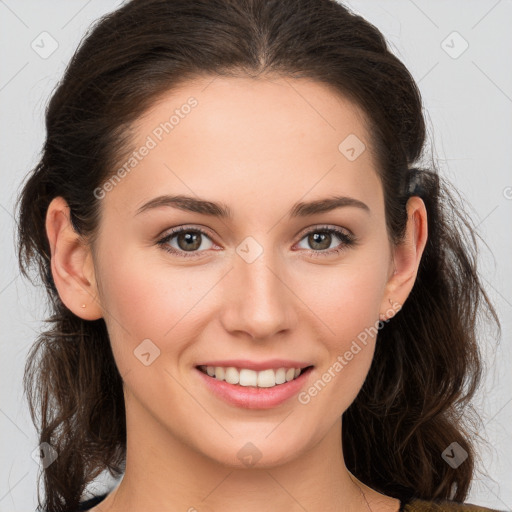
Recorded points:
(144,298)
(349,305)
(350,298)
(141,303)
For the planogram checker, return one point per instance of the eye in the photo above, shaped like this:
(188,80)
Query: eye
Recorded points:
(188,240)
(322,237)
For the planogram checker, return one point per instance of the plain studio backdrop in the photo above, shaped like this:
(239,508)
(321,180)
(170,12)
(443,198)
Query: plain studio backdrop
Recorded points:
(459,52)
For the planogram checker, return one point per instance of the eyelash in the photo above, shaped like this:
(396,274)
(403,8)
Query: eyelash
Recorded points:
(347,240)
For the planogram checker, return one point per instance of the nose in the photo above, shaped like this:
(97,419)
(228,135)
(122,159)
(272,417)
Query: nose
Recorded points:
(258,301)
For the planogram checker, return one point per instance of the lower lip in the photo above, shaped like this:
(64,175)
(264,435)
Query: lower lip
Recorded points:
(252,397)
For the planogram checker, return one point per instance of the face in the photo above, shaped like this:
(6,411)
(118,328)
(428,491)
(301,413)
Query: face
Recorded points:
(268,281)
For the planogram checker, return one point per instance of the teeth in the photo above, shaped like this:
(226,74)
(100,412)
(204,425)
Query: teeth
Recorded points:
(245,377)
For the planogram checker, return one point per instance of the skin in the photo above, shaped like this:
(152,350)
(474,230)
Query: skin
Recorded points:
(258,146)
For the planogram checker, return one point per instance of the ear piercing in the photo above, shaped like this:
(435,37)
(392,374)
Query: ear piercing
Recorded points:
(383,316)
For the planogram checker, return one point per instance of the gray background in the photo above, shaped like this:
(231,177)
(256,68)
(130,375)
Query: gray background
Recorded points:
(467,94)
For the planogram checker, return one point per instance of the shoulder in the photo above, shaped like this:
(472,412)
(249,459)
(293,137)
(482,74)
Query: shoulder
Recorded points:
(417,505)
(91,502)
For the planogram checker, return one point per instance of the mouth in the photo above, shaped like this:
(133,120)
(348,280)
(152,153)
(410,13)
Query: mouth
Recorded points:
(245,377)
(250,389)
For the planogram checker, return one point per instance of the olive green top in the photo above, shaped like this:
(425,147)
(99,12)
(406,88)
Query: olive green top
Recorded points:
(416,505)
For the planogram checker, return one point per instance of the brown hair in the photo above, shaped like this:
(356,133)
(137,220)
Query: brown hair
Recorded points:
(426,365)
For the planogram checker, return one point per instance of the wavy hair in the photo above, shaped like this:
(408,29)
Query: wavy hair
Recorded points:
(427,363)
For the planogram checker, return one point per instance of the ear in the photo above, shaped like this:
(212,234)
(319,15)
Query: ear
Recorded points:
(71,263)
(406,258)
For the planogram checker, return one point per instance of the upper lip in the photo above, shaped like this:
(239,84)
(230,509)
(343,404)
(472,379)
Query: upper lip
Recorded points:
(257,365)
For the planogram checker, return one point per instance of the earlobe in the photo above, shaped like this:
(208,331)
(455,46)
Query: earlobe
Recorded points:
(407,255)
(71,263)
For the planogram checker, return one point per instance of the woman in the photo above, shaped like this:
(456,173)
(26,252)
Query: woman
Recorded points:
(207,342)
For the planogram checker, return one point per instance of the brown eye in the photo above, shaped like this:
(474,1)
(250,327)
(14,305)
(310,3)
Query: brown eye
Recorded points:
(187,240)
(320,240)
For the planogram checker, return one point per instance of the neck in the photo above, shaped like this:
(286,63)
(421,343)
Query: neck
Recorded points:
(163,473)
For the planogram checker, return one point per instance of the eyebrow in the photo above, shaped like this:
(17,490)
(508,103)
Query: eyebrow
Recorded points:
(220,210)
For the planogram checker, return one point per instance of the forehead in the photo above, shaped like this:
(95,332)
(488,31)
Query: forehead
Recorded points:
(250,138)
(252,112)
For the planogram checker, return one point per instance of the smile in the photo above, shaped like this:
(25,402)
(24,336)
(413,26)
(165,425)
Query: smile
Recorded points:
(250,378)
